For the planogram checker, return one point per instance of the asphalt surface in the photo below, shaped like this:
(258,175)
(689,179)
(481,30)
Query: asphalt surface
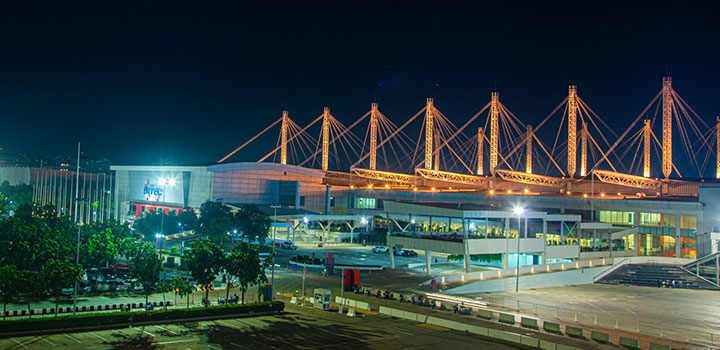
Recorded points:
(300,328)
(673,309)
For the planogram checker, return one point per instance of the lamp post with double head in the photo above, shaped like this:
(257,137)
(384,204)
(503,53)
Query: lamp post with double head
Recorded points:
(518,211)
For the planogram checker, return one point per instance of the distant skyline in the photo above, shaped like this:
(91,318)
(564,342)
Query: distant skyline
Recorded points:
(185,84)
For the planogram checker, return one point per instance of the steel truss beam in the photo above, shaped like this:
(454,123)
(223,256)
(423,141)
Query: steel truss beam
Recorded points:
(385,176)
(621,179)
(530,179)
(451,177)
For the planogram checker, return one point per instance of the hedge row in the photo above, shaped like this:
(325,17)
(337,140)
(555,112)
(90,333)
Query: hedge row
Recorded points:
(106,319)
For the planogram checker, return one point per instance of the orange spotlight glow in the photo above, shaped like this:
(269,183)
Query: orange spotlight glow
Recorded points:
(369,187)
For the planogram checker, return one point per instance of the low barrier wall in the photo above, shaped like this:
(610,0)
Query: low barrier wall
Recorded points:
(483,331)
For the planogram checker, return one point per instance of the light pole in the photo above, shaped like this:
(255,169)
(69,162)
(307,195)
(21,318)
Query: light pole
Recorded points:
(77,249)
(164,182)
(272,275)
(518,211)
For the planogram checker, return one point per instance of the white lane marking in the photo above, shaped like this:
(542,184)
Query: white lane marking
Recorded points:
(176,341)
(71,337)
(165,329)
(213,347)
(146,332)
(239,346)
(21,344)
(47,341)
(99,336)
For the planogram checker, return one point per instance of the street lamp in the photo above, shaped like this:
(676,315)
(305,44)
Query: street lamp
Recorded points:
(518,211)
(164,182)
(272,278)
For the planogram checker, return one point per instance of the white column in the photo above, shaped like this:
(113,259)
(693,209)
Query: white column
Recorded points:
(428,261)
(678,239)
(392,258)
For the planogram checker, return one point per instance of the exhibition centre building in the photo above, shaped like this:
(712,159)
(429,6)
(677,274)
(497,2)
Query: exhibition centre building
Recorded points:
(558,227)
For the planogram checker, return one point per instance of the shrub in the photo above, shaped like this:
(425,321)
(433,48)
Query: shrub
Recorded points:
(117,318)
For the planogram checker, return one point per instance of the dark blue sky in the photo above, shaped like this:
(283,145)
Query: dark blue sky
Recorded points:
(186,83)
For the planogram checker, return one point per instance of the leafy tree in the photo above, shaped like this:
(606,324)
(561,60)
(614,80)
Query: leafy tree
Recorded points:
(100,248)
(12,197)
(182,288)
(219,229)
(147,265)
(188,220)
(10,285)
(152,223)
(164,288)
(33,287)
(253,222)
(57,274)
(245,265)
(208,212)
(205,261)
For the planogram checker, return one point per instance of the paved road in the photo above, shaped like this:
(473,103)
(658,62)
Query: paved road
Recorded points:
(301,328)
(696,310)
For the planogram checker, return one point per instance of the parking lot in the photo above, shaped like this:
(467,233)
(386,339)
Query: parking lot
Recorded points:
(300,328)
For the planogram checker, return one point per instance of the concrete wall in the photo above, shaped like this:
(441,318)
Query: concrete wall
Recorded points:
(192,185)
(427,244)
(544,280)
(562,251)
(15,175)
(499,245)
(257,183)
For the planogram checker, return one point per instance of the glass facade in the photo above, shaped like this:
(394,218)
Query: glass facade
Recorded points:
(365,203)
(617,217)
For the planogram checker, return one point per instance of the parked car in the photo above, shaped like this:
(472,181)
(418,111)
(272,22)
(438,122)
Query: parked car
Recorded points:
(379,249)
(398,251)
(138,287)
(288,245)
(67,291)
(409,253)
(103,287)
(120,286)
(121,267)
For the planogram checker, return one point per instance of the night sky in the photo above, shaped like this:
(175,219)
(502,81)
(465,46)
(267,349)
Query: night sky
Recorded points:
(184,84)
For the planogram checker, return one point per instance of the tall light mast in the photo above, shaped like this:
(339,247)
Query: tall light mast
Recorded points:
(583,150)
(480,151)
(429,134)
(283,138)
(667,126)
(717,149)
(646,149)
(437,154)
(325,138)
(572,130)
(373,135)
(528,150)
(494,130)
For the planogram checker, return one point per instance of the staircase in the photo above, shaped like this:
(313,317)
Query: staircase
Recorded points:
(652,275)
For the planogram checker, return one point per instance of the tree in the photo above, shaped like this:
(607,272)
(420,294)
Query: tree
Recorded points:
(100,248)
(205,261)
(219,229)
(164,288)
(32,287)
(10,285)
(152,223)
(57,274)
(253,222)
(188,220)
(208,212)
(245,265)
(182,288)
(147,265)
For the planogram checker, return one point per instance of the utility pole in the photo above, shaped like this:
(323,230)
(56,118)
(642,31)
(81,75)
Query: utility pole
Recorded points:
(77,248)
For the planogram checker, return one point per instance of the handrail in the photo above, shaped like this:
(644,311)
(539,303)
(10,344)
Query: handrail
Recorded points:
(702,260)
(611,269)
(701,277)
